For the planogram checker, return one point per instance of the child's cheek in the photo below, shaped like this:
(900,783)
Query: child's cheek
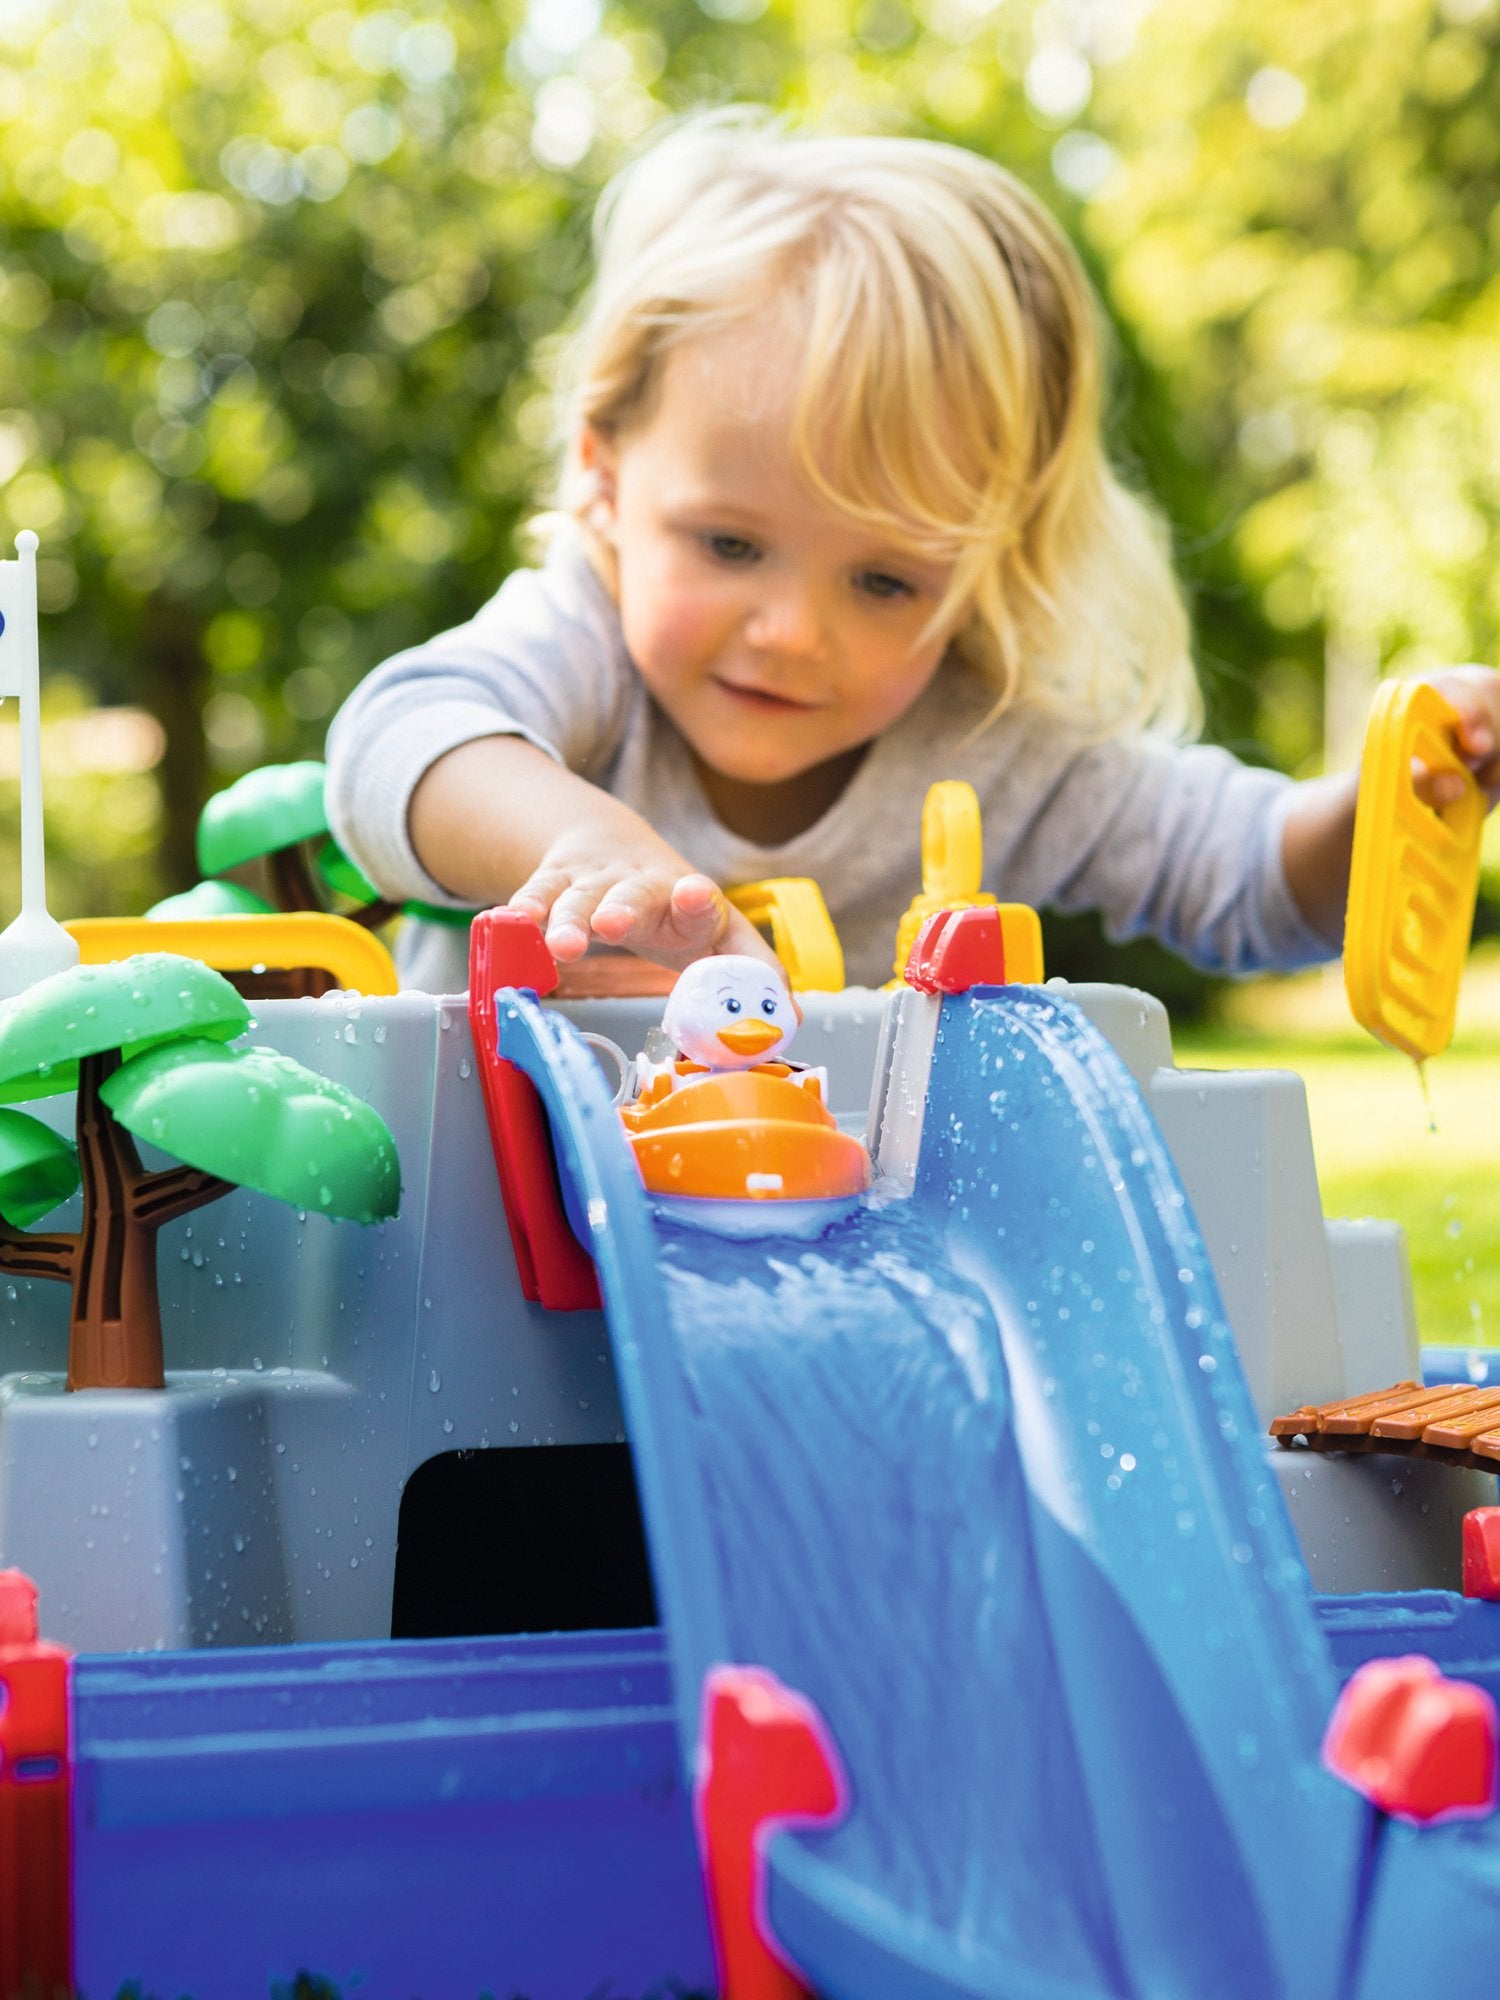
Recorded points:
(670,631)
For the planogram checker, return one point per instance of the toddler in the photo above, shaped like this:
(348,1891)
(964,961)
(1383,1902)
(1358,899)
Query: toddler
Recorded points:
(836,522)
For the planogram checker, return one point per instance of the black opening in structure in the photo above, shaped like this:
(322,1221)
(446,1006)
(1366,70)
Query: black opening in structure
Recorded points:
(522,1539)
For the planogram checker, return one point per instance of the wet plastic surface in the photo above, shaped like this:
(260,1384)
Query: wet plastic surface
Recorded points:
(447,1818)
(983,1460)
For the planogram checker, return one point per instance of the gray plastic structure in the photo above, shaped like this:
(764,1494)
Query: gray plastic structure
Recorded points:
(314,1367)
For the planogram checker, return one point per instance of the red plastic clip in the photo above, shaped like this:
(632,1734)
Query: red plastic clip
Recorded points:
(1482,1553)
(507,949)
(1414,1742)
(36,1782)
(766,1760)
(18,1594)
(957,949)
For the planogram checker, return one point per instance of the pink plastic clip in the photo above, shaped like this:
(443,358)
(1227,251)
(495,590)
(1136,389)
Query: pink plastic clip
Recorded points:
(766,1761)
(1415,1743)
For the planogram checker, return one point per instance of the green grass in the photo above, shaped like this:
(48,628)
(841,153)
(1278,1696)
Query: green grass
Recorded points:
(1378,1155)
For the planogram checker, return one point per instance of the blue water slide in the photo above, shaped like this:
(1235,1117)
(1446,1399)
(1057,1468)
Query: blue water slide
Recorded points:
(977,1472)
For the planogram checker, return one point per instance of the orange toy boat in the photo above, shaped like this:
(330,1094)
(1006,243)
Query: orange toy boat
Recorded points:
(743,1135)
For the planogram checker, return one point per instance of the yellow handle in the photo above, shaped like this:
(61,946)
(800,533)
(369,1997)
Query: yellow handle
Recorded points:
(1414,876)
(952,869)
(360,963)
(952,846)
(791,907)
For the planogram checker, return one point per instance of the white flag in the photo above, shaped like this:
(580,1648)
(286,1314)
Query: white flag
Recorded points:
(18,642)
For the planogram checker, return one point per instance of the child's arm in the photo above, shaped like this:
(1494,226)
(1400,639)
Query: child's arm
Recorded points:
(1318,836)
(497,819)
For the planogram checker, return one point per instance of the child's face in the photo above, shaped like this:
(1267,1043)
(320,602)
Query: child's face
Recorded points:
(776,634)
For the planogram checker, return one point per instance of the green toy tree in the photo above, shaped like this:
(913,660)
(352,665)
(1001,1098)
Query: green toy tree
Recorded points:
(276,816)
(144,1042)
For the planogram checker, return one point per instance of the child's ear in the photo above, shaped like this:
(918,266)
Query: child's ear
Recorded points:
(597,456)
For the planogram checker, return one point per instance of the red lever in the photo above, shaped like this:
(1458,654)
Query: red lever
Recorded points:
(766,1760)
(957,949)
(1414,1742)
(507,949)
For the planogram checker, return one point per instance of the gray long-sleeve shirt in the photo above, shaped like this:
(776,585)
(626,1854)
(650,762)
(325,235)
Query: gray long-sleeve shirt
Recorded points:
(1184,843)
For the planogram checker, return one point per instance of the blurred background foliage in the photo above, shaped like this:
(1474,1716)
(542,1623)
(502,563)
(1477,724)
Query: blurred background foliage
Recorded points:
(278,283)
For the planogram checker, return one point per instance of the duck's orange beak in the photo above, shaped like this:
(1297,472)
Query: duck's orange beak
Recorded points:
(750,1038)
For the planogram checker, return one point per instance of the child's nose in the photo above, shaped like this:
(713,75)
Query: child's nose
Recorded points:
(790,620)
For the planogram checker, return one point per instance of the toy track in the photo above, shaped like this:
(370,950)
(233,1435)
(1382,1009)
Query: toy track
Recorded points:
(1459,1426)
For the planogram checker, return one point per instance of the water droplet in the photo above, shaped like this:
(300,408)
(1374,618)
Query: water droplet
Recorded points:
(434,1382)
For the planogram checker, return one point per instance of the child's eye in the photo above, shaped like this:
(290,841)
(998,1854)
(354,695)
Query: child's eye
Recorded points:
(731,548)
(880,583)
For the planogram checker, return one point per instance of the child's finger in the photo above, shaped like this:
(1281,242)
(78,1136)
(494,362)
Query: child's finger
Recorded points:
(1474,693)
(567,928)
(538,893)
(700,910)
(541,899)
(1436,788)
(1440,789)
(616,916)
(531,903)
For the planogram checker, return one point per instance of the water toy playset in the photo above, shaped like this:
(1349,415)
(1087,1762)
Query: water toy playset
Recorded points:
(991,1646)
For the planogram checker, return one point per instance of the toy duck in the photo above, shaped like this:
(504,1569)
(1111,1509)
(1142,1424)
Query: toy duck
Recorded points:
(724,1117)
(725,1014)
(729,1013)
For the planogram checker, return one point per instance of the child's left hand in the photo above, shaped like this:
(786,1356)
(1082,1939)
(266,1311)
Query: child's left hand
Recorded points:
(1474,692)
(1318,833)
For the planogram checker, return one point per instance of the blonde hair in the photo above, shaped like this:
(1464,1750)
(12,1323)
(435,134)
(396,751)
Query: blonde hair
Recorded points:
(950,392)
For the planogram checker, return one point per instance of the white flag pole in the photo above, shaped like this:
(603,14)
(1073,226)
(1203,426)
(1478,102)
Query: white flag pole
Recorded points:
(34,945)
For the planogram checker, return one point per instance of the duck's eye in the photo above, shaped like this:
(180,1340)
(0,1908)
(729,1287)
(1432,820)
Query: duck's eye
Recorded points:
(732,1007)
(768,1006)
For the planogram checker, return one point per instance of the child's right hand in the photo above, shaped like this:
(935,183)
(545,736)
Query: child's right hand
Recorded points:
(645,899)
(497,809)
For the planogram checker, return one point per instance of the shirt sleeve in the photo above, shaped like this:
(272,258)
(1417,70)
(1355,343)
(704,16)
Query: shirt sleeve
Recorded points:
(1180,843)
(544,659)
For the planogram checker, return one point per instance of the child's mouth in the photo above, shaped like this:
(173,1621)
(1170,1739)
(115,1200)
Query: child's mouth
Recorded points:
(764,701)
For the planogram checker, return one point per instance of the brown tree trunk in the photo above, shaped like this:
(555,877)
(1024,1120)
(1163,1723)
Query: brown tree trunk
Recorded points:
(292,885)
(292,889)
(114,1337)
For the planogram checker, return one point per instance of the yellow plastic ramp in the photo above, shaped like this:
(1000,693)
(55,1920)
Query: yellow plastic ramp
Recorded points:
(1414,877)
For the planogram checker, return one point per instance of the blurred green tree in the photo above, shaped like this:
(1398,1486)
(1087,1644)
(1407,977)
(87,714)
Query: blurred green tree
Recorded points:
(1298,224)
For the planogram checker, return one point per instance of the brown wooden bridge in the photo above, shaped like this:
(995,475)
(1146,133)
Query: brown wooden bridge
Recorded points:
(1459,1425)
